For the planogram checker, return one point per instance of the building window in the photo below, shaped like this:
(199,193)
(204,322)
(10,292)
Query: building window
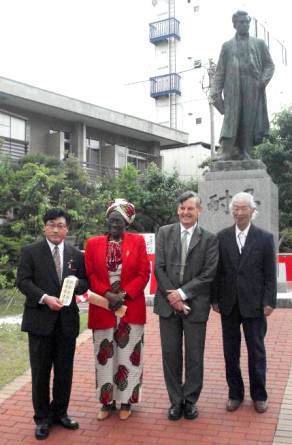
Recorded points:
(197,8)
(92,151)
(198,120)
(12,127)
(13,132)
(67,144)
(137,159)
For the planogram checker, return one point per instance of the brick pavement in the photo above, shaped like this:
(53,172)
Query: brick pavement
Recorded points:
(148,424)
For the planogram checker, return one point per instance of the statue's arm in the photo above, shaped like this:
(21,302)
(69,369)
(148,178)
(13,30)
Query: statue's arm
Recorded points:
(268,65)
(219,79)
(218,83)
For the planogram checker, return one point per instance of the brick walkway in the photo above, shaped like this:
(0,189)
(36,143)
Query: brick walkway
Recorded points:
(148,424)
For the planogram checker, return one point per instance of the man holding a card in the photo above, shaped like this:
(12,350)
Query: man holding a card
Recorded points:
(51,325)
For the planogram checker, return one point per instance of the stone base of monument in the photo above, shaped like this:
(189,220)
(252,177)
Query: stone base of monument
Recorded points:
(224,180)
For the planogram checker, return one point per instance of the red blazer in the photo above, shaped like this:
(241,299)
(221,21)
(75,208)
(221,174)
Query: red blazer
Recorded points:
(134,277)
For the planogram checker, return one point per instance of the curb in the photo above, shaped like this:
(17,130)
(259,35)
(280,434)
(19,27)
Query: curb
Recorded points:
(10,389)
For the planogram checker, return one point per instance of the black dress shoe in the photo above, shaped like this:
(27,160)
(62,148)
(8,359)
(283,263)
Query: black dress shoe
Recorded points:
(260,406)
(42,431)
(190,411)
(175,412)
(68,423)
(233,405)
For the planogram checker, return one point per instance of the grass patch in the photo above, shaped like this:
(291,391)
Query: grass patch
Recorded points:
(14,350)
(11,302)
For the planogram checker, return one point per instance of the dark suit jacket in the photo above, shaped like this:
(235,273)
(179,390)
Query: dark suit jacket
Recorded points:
(37,276)
(199,272)
(249,278)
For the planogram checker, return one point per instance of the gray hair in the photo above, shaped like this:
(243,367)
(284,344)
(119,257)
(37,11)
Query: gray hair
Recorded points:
(246,198)
(189,194)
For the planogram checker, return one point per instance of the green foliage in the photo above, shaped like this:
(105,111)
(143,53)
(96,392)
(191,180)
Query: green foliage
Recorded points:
(37,182)
(276,153)
(159,195)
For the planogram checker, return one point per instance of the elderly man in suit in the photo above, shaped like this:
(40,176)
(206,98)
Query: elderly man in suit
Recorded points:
(243,71)
(185,265)
(244,293)
(52,328)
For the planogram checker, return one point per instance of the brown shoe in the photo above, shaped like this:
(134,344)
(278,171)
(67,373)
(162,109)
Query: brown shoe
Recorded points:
(125,411)
(260,406)
(233,405)
(125,414)
(103,414)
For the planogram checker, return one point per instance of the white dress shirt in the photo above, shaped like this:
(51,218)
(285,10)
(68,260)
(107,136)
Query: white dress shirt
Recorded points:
(242,234)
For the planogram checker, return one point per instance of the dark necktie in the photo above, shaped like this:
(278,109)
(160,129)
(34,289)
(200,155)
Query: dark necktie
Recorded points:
(57,261)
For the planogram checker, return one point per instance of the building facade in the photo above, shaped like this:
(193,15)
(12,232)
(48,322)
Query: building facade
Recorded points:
(33,120)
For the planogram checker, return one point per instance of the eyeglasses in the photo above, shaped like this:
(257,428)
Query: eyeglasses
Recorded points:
(59,226)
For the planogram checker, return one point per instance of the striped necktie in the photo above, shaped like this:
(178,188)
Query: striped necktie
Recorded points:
(184,251)
(57,261)
(241,240)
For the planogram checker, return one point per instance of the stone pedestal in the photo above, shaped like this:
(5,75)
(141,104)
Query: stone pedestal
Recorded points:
(230,177)
(227,178)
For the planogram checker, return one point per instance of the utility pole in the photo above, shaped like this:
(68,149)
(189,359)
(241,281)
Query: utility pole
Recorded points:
(210,68)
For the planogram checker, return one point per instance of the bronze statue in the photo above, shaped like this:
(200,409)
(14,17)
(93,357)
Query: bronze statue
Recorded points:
(244,69)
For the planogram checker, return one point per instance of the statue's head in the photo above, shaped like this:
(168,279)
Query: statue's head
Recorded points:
(241,21)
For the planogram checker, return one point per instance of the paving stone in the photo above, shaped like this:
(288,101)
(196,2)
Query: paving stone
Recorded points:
(148,424)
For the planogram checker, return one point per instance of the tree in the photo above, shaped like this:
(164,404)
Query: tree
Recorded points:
(37,182)
(160,193)
(27,189)
(276,153)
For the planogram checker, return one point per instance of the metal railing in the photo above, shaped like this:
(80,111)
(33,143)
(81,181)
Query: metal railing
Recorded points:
(140,160)
(98,171)
(163,30)
(165,85)
(13,148)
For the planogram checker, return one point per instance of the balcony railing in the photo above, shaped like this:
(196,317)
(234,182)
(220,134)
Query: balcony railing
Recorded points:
(140,160)
(165,85)
(13,148)
(163,30)
(97,171)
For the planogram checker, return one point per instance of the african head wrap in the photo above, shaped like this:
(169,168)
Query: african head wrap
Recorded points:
(125,208)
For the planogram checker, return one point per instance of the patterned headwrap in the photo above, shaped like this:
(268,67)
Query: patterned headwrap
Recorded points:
(125,208)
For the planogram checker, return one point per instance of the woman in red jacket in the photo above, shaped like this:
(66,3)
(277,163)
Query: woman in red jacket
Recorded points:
(118,268)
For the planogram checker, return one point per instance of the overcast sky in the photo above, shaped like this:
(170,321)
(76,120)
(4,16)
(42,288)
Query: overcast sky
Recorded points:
(89,49)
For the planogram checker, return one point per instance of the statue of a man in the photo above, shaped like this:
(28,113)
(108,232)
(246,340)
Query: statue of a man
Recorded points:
(244,69)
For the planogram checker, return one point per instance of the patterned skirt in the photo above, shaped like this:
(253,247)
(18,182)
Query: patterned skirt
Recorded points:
(119,363)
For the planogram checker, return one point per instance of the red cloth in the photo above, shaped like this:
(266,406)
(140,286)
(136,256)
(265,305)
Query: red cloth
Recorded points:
(82,298)
(134,277)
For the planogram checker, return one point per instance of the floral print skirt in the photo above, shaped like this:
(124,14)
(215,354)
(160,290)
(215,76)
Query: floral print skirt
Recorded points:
(119,363)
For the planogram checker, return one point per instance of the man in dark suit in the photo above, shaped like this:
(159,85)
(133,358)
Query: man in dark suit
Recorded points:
(245,294)
(52,328)
(185,264)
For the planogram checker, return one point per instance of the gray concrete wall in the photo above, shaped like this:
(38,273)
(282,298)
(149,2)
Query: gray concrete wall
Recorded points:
(39,126)
(56,145)
(79,141)
(218,188)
